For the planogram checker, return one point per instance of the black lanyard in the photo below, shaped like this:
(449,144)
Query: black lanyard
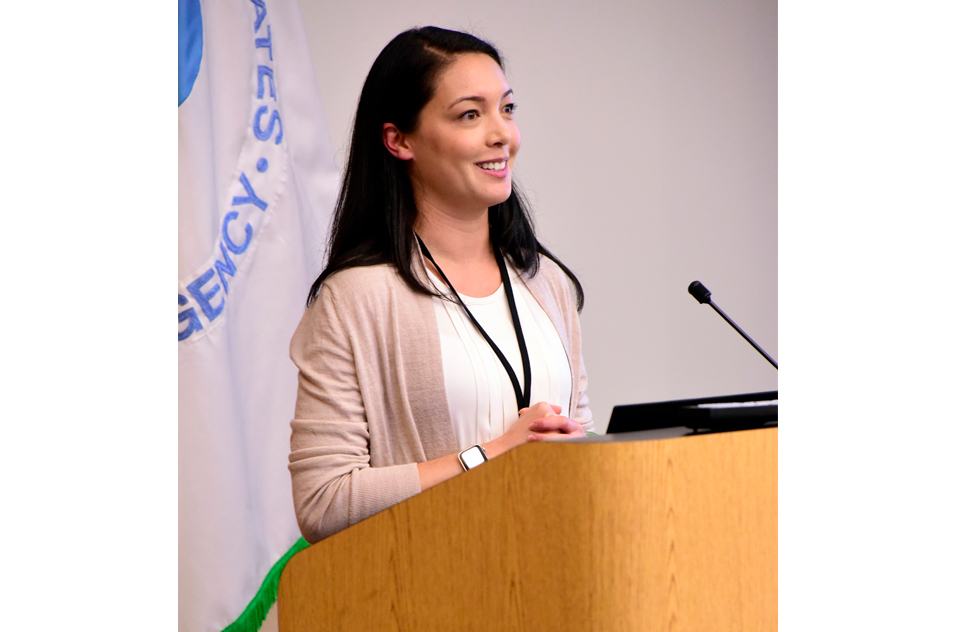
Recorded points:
(523,399)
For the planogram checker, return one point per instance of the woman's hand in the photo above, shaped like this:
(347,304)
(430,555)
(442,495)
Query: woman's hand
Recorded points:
(547,428)
(539,422)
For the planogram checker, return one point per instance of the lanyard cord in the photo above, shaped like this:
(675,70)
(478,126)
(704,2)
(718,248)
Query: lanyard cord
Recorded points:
(523,399)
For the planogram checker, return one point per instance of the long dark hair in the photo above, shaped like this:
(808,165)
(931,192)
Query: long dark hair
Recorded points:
(376,212)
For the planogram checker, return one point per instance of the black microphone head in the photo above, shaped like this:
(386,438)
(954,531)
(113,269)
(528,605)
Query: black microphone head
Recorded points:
(698,291)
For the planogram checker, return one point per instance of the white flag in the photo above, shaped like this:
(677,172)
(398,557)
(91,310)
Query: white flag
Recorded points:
(256,188)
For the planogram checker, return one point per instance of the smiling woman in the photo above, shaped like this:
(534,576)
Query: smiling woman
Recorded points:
(461,155)
(441,332)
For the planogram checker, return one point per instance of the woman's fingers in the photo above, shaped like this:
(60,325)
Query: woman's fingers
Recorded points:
(553,436)
(556,424)
(542,420)
(541,409)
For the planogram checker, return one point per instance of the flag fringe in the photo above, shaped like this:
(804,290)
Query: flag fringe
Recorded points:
(255,613)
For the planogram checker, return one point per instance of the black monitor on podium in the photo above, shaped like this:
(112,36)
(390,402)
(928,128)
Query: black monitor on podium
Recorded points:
(705,414)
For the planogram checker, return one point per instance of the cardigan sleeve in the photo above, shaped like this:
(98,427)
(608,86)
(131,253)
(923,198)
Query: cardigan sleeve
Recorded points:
(333,483)
(566,303)
(582,411)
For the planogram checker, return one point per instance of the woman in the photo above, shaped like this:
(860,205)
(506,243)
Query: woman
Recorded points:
(436,322)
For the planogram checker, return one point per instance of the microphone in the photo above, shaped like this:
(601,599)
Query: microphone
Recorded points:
(702,294)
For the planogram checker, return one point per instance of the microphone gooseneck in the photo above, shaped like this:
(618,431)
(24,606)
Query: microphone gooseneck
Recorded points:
(702,294)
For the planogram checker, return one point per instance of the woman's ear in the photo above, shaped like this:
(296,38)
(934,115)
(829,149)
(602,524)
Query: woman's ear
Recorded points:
(396,142)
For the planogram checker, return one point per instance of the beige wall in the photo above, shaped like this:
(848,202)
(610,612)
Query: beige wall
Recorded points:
(650,156)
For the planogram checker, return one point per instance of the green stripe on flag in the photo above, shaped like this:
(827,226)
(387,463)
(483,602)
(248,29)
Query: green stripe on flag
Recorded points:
(255,613)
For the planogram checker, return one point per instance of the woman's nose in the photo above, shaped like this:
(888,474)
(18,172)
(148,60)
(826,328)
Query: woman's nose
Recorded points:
(499,134)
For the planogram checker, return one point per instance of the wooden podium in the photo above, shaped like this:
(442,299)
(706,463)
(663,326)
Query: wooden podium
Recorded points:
(611,533)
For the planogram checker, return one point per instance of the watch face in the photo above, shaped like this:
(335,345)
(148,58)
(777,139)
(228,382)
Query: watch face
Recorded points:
(472,457)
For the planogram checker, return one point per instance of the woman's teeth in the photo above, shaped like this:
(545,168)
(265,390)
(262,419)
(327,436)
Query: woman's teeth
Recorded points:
(493,166)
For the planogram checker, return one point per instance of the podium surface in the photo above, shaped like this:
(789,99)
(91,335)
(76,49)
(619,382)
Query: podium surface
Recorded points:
(606,534)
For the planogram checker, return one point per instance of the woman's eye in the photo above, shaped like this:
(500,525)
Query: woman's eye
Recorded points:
(470,115)
(510,108)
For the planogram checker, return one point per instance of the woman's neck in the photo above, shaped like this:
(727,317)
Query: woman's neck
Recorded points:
(455,239)
(461,246)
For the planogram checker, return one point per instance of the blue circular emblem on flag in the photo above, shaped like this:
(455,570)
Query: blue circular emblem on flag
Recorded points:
(190,46)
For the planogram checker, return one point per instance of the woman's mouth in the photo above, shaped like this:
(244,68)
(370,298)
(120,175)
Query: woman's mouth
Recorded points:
(494,167)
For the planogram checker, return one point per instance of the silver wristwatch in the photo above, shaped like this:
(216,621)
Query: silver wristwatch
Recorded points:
(472,457)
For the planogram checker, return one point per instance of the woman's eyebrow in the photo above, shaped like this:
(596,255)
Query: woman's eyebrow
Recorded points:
(478,99)
(475,98)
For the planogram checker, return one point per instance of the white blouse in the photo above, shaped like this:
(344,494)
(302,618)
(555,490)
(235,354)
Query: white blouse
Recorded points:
(480,395)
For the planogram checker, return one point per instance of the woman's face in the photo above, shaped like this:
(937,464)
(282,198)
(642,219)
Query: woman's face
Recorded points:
(463,151)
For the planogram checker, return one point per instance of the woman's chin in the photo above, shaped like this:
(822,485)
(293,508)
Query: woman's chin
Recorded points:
(502,194)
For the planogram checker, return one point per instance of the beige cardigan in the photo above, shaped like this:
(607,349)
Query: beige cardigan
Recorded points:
(371,402)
